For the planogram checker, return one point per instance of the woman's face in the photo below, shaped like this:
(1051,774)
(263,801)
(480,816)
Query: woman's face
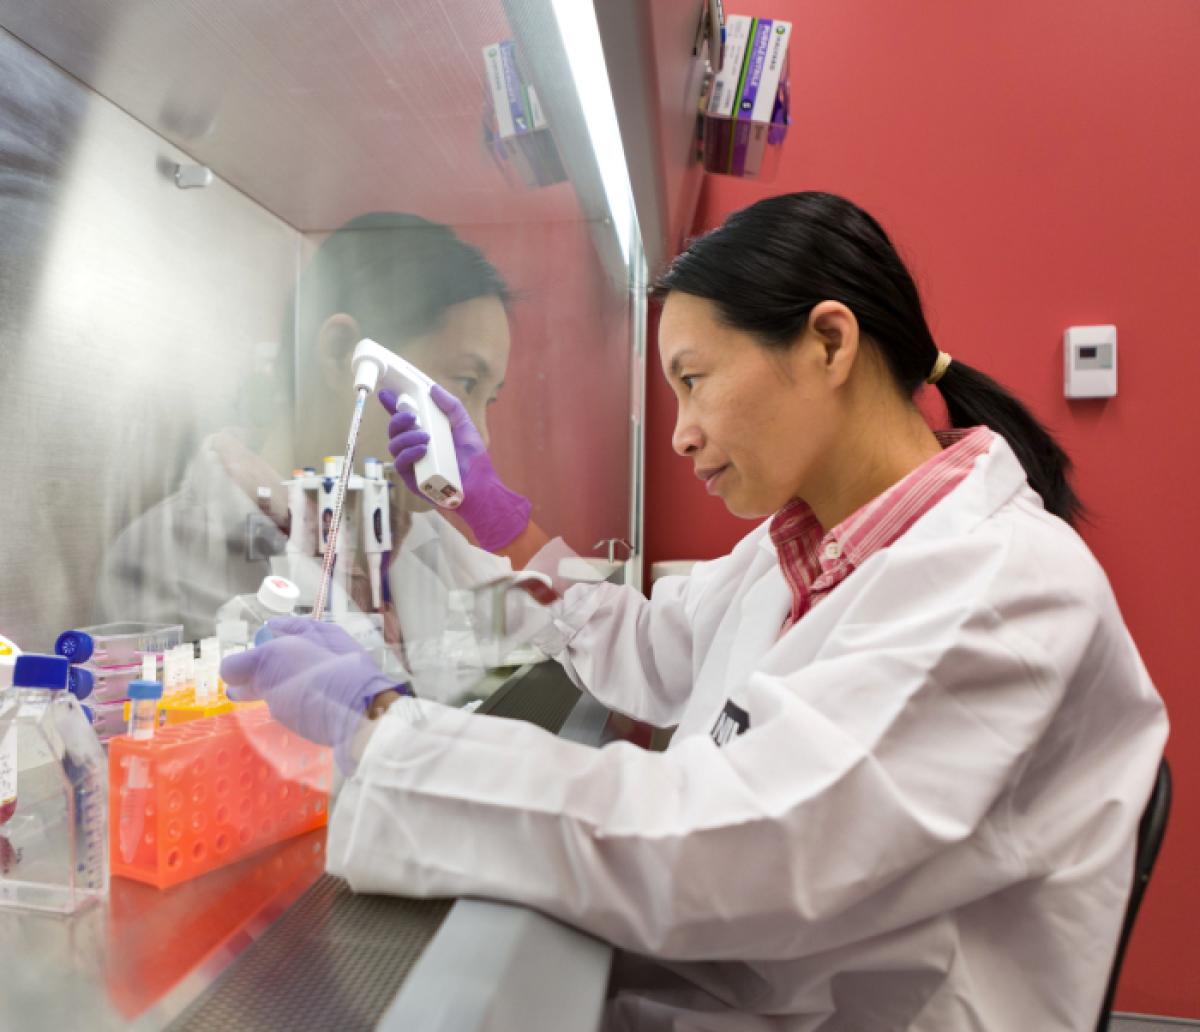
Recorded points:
(755,423)
(468,355)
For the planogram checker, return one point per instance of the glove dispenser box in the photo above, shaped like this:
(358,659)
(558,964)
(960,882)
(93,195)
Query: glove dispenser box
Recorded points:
(746,109)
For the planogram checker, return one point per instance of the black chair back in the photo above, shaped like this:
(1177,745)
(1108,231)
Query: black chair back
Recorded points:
(1150,835)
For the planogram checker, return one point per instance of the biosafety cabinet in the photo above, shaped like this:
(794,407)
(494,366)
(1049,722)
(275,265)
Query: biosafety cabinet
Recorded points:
(199,202)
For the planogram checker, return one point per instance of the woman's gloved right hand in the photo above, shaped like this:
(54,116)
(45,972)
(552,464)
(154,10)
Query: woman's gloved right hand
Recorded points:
(316,679)
(495,514)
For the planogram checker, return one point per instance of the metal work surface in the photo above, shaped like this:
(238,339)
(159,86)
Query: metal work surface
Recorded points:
(143,955)
(334,960)
(540,694)
(503,968)
(247,938)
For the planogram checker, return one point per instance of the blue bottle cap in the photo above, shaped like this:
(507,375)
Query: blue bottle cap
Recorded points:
(77,646)
(145,690)
(34,671)
(81,682)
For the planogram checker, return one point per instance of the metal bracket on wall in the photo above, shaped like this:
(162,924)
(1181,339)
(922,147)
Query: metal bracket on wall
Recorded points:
(192,177)
(611,545)
(712,29)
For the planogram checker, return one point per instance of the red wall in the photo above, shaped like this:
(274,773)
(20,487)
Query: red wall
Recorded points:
(569,327)
(1039,166)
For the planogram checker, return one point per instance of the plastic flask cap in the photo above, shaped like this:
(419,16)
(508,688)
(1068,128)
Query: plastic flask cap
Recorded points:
(81,682)
(278,594)
(145,690)
(34,671)
(76,646)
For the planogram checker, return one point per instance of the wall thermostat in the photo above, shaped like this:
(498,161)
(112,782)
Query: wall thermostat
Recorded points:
(1090,357)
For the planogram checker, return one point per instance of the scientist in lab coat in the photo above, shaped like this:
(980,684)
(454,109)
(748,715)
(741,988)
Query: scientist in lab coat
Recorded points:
(914,736)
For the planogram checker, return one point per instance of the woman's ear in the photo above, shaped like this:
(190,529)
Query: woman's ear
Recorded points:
(335,343)
(837,329)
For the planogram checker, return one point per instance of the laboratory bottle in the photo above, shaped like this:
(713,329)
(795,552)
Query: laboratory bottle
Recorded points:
(54,847)
(241,618)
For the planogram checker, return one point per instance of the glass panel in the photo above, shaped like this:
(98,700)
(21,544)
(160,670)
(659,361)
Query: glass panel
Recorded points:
(423,175)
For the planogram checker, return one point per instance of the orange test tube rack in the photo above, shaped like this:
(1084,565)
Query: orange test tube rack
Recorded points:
(206,793)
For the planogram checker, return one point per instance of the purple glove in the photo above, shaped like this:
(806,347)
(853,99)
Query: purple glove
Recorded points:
(315,678)
(495,514)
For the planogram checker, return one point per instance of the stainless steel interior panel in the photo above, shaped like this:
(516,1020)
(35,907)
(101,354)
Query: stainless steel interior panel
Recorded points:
(136,320)
(648,52)
(319,111)
(320,115)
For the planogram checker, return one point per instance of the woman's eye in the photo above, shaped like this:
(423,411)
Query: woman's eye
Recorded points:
(689,381)
(467,383)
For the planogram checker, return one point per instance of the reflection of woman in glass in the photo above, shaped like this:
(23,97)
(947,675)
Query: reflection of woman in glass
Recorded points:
(415,287)
(411,285)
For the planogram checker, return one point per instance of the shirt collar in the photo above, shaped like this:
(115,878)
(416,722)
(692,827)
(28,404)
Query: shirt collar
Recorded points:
(882,520)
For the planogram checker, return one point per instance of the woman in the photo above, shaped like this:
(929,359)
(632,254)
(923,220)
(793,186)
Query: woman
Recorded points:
(914,737)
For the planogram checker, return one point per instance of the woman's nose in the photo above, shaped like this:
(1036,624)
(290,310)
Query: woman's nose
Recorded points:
(687,437)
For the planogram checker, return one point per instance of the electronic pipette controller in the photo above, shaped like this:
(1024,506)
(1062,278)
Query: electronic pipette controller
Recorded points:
(437,472)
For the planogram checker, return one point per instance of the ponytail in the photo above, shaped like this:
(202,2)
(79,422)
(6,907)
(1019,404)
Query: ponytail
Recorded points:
(768,266)
(973,398)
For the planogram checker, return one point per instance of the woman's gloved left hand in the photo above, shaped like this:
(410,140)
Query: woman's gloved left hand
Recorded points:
(495,514)
(316,679)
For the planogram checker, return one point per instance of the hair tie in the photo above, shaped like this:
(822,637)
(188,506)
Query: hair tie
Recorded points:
(939,367)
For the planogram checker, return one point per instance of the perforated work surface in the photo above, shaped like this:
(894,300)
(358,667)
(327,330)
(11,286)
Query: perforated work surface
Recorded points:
(544,696)
(335,960)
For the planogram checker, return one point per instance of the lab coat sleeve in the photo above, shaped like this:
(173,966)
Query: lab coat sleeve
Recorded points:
(635,655)
(854,803)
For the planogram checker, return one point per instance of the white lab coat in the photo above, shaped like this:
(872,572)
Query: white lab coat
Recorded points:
(183,558)
(445,655)
(928,824)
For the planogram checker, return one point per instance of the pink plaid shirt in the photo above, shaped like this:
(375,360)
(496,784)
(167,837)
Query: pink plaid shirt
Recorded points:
(814,563)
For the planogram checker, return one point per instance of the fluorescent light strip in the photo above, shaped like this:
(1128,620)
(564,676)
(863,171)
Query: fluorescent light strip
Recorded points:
(581,38)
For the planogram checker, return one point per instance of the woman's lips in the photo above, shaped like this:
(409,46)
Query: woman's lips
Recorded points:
(710,477)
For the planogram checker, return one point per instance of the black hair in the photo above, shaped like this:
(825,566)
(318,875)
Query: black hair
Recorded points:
(396,274)
(769,265)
